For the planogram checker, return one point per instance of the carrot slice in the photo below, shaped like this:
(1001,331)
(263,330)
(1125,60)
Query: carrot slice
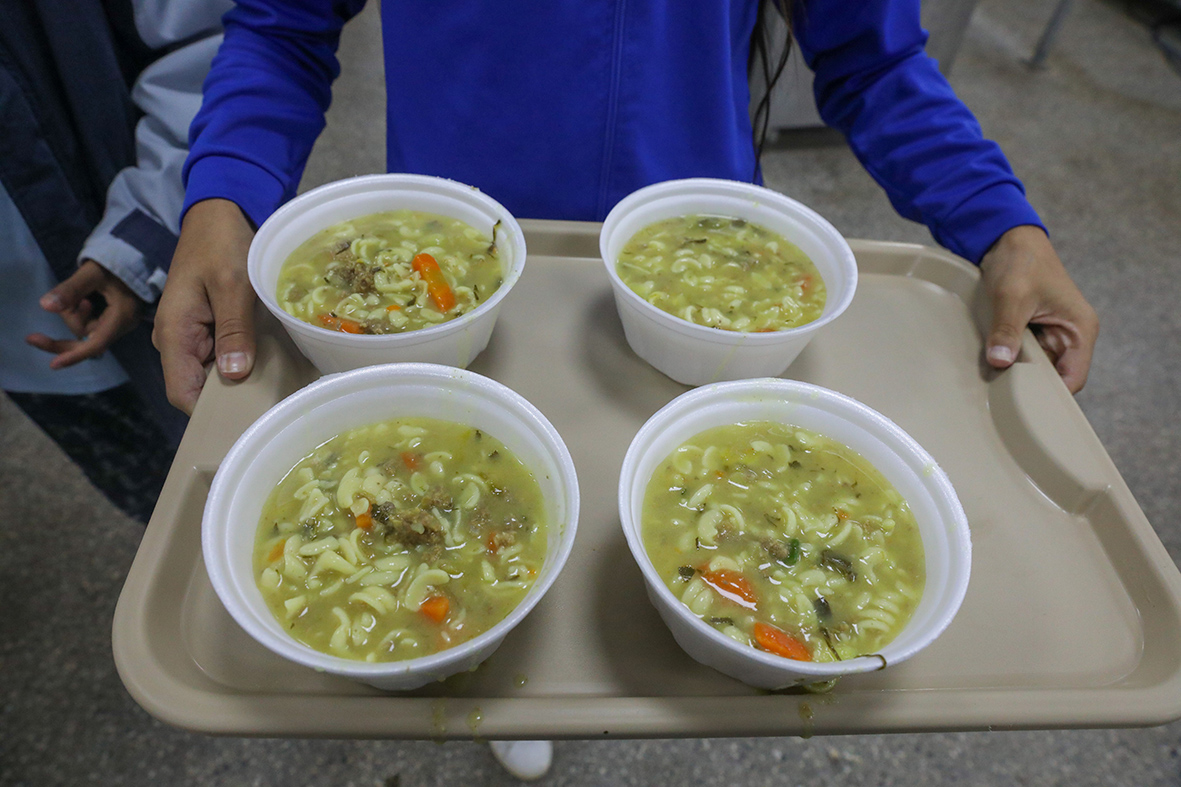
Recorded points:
(339,324)
(733,586)
(393,307)
(411,460)
(277,551)
(436,284)
(436,608)
(365,521)
(779,642)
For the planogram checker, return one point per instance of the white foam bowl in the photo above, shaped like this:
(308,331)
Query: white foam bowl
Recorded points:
(696,354)
(941,520)
(453,343)
(295,426)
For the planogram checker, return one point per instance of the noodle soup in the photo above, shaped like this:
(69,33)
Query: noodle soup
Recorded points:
(784,540)
(721,272)
(399,540)
(389,273)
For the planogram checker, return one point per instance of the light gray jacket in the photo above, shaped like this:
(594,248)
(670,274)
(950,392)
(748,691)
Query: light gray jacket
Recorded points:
(168,92)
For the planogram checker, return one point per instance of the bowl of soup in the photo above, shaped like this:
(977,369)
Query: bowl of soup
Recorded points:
(718,280)
(391,524)
(387,268)
(788,534)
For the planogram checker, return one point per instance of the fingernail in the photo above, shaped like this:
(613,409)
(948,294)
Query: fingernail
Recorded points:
(51,302)
(231,363)
(1001,354)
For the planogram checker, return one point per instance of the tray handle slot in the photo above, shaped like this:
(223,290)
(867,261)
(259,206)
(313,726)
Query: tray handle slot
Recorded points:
(1130,544)
(1045,431)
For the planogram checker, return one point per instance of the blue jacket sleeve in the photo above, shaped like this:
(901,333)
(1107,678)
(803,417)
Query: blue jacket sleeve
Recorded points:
(875,83)
(264,104)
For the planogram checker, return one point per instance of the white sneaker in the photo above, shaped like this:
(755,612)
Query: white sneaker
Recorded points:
(527,760)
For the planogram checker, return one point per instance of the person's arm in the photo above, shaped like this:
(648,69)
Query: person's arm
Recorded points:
(265,99)
(876,84)
(126,257)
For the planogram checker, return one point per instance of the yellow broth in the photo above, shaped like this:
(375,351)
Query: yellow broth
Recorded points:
(723,273)
(399,540)
(389,273)
(784,540)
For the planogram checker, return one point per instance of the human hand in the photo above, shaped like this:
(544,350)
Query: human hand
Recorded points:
(207,308)
(1027,285)
(71,300)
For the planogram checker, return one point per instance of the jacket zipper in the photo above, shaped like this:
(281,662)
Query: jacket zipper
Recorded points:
(612,106)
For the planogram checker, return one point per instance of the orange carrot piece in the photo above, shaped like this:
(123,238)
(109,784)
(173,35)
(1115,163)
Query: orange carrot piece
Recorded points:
(491,544)
(339,324)
(365,521)
(780,643)
(806,284)
(277,551)
(436,608)
(732,585)
(393,307)
(436,284)
(411,460)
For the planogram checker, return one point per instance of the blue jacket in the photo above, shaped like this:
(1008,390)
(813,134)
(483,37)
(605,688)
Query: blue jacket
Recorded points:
(560,109)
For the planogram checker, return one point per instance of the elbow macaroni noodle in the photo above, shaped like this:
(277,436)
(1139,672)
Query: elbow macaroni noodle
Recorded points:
(399,539)
(761,524)
(360,277)
(722,273)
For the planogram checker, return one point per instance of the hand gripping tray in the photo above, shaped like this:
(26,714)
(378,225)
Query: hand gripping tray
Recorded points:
(1071,619)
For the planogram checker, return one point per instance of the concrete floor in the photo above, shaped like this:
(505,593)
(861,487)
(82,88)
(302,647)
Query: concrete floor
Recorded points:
(1096,137)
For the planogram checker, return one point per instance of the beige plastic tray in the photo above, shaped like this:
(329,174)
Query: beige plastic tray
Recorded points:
(1071,619)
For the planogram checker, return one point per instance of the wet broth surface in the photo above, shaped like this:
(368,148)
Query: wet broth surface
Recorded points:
(389,273)
(400,539)
(723,273)
(784,540)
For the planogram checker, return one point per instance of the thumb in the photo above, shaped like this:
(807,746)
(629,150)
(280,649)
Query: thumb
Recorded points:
(1010,314)
(73,290)
(233,330)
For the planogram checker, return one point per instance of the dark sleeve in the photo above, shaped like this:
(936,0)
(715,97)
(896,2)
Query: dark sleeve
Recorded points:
(264,102)
(875,84)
